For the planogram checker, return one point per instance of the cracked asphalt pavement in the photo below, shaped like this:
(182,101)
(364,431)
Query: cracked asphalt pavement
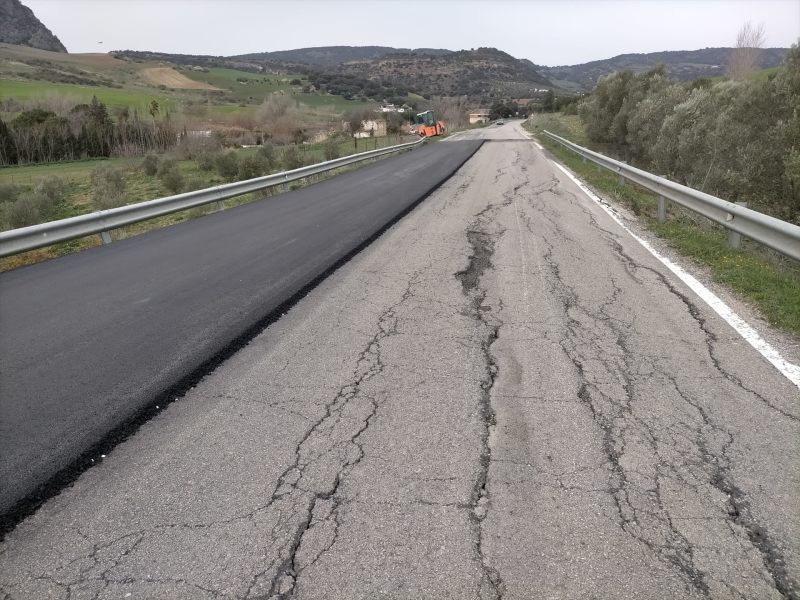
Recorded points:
(504,396)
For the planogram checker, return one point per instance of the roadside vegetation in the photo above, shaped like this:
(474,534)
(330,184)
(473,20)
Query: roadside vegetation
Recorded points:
(737,138)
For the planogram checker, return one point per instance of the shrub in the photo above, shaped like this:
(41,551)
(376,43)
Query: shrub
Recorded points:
(292,158)
(227,165)
(29,209)
(108,178)
(8,192)
(252,166)
(736,139)
(151,164)
(331,149)
(106,199)
(171,176)
(194,183)
(270,157)
(206,161)
(53,188)
(108,182)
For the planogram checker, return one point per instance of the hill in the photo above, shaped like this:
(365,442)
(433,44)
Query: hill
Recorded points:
(335,55)
(480,73)
(683,65)
(19,26)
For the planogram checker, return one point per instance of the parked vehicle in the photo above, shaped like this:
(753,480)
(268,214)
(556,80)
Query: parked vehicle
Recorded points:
(499,122)
(428,125)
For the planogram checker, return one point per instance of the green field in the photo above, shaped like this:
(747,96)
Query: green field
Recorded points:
(22,90)
(255,89)
(337,103)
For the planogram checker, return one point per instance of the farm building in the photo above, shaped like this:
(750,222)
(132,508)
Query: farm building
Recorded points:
(480,115)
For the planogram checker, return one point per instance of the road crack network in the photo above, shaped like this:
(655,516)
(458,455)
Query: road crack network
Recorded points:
(481,236)
(305,493)
(596,334)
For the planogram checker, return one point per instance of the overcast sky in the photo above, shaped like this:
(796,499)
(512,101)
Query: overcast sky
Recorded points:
(548,32)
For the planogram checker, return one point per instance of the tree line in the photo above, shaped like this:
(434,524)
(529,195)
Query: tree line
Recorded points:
(86,131)
(738,139)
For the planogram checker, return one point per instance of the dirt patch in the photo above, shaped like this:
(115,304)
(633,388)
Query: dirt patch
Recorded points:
(171,78)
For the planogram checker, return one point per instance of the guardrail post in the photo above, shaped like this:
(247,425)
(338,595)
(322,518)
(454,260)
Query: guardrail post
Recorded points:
(584,160)
(221,204)
(285,187)
(599,168)
(734,237)
(621,178)
(662,209)
(105,237)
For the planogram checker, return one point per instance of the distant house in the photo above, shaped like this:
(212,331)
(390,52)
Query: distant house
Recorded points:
(480,115)
(284,80)
(369,128)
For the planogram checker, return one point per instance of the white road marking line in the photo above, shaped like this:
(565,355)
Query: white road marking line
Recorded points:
(789,370)
(523,132)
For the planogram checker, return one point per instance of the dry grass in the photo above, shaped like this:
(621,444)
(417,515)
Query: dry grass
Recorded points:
(171,78)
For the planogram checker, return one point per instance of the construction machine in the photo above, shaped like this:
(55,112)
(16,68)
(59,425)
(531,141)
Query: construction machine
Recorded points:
(428,125)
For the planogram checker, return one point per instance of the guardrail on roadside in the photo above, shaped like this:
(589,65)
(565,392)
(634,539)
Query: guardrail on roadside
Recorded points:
(741,221)
(46,234)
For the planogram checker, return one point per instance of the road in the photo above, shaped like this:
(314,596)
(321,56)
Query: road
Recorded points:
(505,395)
(88,340)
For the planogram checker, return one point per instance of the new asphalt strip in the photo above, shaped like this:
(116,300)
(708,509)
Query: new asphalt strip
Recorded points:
(93,341)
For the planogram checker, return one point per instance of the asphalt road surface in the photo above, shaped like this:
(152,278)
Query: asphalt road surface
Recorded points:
(88,339)
(505,395)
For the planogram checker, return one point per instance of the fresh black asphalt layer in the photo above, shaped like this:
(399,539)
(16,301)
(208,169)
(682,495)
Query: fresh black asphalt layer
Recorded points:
(93,341)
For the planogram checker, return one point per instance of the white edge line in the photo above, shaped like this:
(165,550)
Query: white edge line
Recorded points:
(789,370)
(525,133)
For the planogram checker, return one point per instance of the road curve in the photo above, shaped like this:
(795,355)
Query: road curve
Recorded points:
(88,339)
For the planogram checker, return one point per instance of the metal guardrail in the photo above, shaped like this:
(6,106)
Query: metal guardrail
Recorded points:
(46,234)
(776,234)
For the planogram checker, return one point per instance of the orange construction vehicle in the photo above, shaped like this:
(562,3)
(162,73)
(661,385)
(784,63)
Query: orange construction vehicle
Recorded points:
(428,125)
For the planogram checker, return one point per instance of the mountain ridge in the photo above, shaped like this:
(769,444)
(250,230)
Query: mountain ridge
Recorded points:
(334,55)
(19,26)
(481,72)
(683,65)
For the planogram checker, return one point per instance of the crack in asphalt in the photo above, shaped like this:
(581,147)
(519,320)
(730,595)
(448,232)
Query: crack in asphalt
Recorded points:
(616,420)
(773,557)
(482,242)
(318,443)
(614,417)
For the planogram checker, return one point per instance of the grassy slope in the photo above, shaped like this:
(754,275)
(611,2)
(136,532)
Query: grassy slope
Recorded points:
(21,90)
(256,87)
(137,91)
(760,74)
(769,281)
